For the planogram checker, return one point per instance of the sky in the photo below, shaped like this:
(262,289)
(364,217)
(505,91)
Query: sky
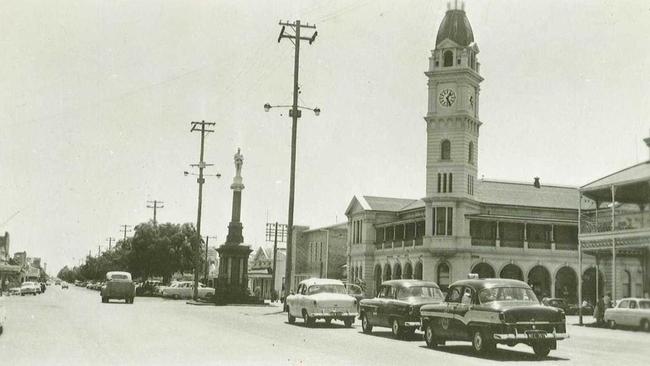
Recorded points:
(96,100)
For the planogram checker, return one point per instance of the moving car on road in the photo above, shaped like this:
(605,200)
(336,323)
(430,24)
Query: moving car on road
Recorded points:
(491,311)
(321,298)
(185,290)
(631,312)
(119,285)
(30,288)
(397,306)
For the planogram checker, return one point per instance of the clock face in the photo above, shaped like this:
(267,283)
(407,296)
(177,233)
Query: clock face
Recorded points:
(447,98)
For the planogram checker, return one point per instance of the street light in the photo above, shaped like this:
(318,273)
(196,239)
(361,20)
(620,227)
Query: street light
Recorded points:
(267,107)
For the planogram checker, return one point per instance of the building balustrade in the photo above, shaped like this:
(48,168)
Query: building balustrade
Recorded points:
(539,244)
(622,222)
(512,243)
(484,242)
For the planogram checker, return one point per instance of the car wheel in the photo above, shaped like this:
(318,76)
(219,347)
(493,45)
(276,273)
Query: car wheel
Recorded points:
(328,321)
(1,330)
(481,344)
(611,323)
(541,349)
(104,300)
(366,327)
(176,297)
(396,329)
(131,300)
(348,322)
(645,325)
(290,318)
(430,336)
(309,321)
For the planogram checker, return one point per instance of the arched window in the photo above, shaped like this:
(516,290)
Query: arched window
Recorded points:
(445,150)
(470,154)
(418,271)
(443,276)
(448,58)
(627,283)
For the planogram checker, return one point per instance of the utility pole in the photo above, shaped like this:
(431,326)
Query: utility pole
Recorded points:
(125,228)
(295,114)
(207,240)
(272,230)
(110,242)
(201,165)
(154,204)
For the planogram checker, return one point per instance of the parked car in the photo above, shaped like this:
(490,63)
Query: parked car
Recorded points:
(574,309)
(490,311)
(3,315)
(321,298)
(185,290)
(149,288)
(119,285)
(57,283)
(15,291)
(630,312)
(397,306)
(64,285)
(29,288)
(556,303)
(355,291)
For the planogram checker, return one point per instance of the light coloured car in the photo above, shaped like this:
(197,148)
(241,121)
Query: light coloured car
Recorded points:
(185,290)
(321,298)
(630,312)
(30,288)
(14,291)
(3,315)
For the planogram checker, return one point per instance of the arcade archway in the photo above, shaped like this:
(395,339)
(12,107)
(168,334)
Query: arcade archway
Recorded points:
(540,280)
(589,285)
(408,271)
(484,270)
(387,272)
(512,271)
(566,285)
(397,271)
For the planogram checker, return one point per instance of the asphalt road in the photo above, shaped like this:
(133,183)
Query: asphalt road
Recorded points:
(73,327)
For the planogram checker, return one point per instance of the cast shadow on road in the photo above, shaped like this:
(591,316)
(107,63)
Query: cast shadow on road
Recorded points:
(416,337)
(116,303)
(499,355)
(320,325)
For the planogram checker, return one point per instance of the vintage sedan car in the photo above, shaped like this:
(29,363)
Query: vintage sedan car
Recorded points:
(64,285)
(185,290)
(491,311)
(556,303)
(15,291)
(321,298)
(397,306)
(3,315)
(30,288)
(119,285)
(630,312)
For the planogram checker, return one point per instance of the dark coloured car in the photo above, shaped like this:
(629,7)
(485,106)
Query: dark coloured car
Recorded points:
(491,311)
(118,286)
(397,306)
(556,303)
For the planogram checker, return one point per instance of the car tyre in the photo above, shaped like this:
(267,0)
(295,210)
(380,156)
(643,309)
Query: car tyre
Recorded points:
(290,318)
(481,344)
(348,322)
(309,321)
(541,350)
(611,323)
(396,329)
(645,325)
(430,336)
(1,329)
(328,321)
(104,299)
(366,327)
(176,297)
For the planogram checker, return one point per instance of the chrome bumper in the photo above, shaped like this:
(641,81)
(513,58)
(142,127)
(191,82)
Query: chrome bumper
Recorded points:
(526,337)
(333,314)
(412,324)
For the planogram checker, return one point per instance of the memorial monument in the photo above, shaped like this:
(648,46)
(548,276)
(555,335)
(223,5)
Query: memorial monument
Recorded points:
(232,283)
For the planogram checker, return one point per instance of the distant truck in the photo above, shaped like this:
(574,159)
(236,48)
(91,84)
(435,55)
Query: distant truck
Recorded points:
(119,285)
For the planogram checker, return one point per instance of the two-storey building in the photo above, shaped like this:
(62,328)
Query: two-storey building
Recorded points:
(526,231)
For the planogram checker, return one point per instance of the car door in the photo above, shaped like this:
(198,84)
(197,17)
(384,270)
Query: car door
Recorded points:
(631,318)
(447,321)
(618,313)
(459,325)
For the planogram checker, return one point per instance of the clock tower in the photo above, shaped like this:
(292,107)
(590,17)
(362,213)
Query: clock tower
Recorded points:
(452,123)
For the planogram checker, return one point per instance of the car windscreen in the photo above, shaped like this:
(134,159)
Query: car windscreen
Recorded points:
(420,291)
(644,304)
(507,294)
(119,277)
(329,288)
